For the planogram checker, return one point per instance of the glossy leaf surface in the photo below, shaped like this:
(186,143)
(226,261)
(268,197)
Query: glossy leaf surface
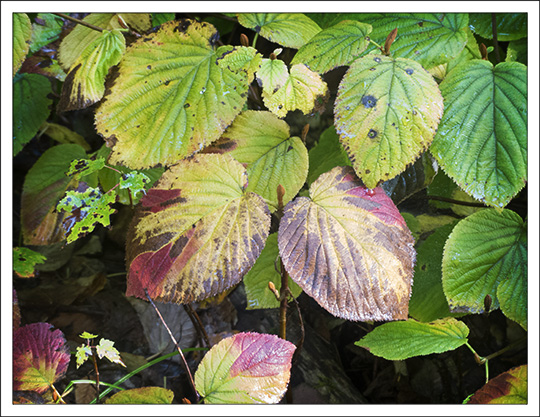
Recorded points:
(349,248)
(333,47)
(507,388)
(145,395)
(40,357)
(386,113)
(31,107)
(291,30)
(482,138)
(262,142)
(175,94)
(247,368)
(405,339)
(486,254)
(22,32)
(265,270)
(196,232)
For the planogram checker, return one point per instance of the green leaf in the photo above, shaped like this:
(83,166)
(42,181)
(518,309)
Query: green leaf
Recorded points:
(334,47)
(485,250)
(82,354)
(326,20)
(510,387)
(85,82)
(326,154)
(387,111)
(291,30)
(45,30)
(262,142)
(86,335)
(427,301)
(405,339)
(481,142)
(22,32)
(44,185)
(197,232)
(135,181)
(62,134)
(517,51)
(430,39)
(510,26)
(471,51)
(247,368)
(30,107)
(25,260)
(349,248)
(82,167)
(256,281)
(173,95)
(301,89)
(107,350)
(160,18)
(88,207)
(144,395)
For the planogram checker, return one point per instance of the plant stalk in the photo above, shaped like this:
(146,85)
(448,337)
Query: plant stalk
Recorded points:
(97,375)
(79,22)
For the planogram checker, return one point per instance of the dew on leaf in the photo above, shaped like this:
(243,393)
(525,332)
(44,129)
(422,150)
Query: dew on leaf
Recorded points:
(203,90)
(409,71)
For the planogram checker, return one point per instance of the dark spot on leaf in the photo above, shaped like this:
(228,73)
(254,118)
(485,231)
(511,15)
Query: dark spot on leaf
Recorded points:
(377,59)
(182,25)
(149,67)
(186,105)
(257,28)
(372,134)
(369,101)
(146,40)
(420,24)
(290,148)
(368,171)
(414,113)
(409,71)
(367,38)
(423,267)
(214,38)
(372,69)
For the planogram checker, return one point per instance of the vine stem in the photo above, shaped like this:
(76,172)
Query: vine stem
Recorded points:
(79,22)
(197,397)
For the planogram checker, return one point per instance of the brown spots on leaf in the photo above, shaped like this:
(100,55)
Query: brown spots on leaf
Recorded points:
(182,25)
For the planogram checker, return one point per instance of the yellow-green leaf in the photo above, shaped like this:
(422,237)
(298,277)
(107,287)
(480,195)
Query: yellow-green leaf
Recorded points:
(291,30)
(387,111)
(144,395)
(22,32)
(197,232)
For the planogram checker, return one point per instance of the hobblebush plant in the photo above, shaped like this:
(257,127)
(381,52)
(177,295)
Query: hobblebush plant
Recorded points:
(197,138)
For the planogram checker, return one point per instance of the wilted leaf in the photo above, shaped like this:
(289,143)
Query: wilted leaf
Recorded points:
(349,248)
(510,26)
(510,387)
(40,357)
(486,254)
(196,232)
(22,32)
(262,143)
(404,339)
(428,38)
(45,29)
(334,47)
(386,113)
(482,138)
(85,82)
(248,368)
(291,30)
(44,185)
(145,395)
(25,260)
(326,154)
(302,90)
(30,107)
(173,95)
(256,281)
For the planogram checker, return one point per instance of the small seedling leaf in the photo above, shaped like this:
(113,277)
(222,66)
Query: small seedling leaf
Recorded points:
(107,350)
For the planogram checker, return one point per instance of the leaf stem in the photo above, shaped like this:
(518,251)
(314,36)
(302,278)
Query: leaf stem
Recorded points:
(255,39)
(97,375)
(177,346)
(495,41)
(79,22)
(377,45)
(505,349)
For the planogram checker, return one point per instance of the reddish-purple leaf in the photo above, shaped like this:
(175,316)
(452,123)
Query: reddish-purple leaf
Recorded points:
(507,388)
(40,357)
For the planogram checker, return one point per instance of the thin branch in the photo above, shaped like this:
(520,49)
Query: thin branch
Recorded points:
(283,303)
(79,22)
(495,41)
(197,323)
(192,383)
(97,375)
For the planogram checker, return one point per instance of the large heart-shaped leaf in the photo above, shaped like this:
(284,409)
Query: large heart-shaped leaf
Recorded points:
(334,47)
(428,38)
(22,32)
(30,107)
(486,254)
(196,232)
(262,142)
(482,138)
(40,357)
(85,83)
(349,248)
(386,113)
(248,368)
(510,387)
(288,29)
(44,185)
(404,339)
(175,94)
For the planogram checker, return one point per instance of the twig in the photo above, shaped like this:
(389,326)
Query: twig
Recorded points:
(79,22)
(197,323)
(177,347)
(450,200)
(97,377)
(495,42)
